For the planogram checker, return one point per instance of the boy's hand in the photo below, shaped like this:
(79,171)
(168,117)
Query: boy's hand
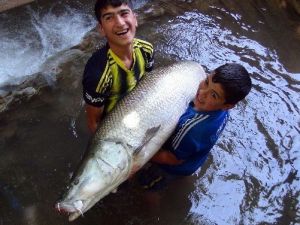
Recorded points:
(134,169)
(166,157)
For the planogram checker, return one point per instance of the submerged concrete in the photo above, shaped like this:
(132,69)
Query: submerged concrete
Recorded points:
(8,4)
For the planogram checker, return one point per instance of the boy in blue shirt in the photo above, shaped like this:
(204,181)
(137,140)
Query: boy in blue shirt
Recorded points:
(200,126)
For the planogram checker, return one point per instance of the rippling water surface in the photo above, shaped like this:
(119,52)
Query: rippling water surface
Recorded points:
(252,174)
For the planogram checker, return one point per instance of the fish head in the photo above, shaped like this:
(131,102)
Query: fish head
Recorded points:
(101,173)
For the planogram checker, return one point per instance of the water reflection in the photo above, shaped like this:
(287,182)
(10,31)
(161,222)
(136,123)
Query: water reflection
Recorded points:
(250,166)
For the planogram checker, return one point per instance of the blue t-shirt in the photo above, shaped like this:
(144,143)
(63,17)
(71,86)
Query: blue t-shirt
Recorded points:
(195,134)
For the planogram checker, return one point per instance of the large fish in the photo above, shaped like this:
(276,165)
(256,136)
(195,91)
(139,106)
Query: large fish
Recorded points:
(132,133)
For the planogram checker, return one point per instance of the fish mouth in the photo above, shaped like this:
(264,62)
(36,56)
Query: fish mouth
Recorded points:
(73,211)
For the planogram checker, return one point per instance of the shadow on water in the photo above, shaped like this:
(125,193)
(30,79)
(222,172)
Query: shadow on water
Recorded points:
(251,176)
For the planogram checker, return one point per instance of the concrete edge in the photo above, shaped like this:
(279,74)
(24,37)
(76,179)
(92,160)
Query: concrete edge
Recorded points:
(9,4)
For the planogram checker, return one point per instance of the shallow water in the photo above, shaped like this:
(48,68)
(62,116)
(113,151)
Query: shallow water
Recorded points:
(251,176)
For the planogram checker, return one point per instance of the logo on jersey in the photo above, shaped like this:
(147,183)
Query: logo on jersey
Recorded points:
(94,100)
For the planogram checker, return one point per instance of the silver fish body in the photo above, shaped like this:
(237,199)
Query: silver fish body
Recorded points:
(132,133)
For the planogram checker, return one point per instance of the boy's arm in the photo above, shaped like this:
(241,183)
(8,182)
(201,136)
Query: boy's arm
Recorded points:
(94,100)
(166,157)
(94,115)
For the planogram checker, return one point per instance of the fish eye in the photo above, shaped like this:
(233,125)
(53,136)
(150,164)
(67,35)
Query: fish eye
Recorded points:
(76,181)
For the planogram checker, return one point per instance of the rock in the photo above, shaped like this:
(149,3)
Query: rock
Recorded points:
(290,5)
(23,90)
(9,4)
(8,97)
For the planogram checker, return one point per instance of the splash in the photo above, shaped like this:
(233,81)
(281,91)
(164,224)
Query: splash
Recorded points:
(26,46)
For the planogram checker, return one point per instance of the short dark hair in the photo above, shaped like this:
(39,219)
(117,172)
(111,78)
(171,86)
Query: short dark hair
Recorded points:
(101,4)
(235,81)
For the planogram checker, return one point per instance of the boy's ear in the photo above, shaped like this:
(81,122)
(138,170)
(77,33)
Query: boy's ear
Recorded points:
(228,106)
(100,30)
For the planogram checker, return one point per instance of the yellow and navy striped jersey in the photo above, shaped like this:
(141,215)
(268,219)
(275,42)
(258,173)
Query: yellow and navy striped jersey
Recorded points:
(106,80)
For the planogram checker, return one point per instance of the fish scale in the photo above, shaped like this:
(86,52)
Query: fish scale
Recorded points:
(132,133)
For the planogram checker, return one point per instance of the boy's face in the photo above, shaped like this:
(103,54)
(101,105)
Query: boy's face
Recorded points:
(210,96)
(118,25)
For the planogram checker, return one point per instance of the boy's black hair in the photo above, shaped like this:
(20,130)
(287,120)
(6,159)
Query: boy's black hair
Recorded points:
(101,4)
(235,81)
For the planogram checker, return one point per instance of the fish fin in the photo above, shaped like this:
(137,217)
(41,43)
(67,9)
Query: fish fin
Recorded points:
(114,191)
(150,133)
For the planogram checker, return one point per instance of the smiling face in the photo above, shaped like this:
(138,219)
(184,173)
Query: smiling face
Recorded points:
(210,96)
(118,25)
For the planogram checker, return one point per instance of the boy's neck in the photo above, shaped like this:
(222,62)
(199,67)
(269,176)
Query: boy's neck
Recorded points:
(125,54)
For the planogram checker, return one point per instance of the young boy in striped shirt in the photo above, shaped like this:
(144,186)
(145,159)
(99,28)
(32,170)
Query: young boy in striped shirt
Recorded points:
(115,69)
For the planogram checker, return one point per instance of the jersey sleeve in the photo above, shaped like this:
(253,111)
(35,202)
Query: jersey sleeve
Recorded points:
(93,72)
(192,143)
(148,52)
(150,61)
